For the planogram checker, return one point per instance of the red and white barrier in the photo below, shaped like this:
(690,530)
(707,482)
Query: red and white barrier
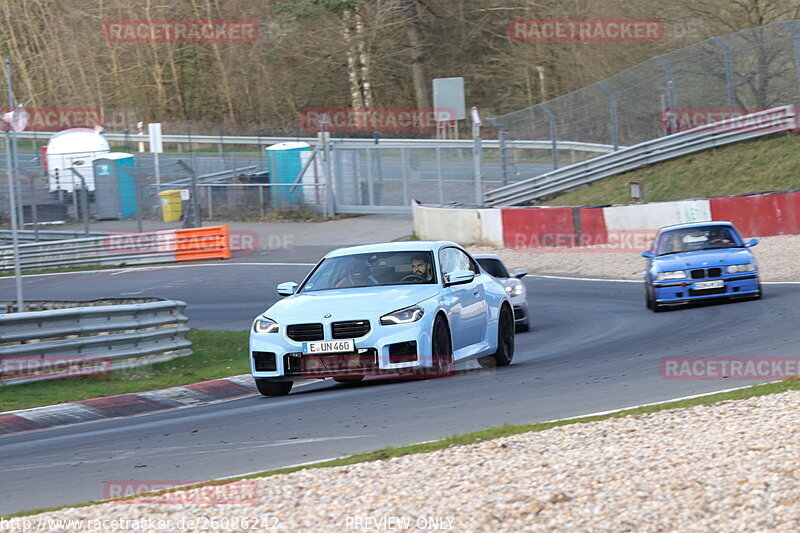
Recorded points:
(759,215)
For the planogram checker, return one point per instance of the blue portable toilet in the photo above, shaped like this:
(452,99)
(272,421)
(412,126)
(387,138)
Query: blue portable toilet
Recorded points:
(115,186)
(285,161)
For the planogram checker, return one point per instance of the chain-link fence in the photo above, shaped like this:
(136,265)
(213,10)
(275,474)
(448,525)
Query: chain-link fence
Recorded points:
(719,78)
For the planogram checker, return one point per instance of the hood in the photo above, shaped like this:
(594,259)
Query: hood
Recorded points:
(351,303)
(704,259)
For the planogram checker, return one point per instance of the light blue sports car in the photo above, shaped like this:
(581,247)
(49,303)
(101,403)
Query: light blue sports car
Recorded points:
(413,308)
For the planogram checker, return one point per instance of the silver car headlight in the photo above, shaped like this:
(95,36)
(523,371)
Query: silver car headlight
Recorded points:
(406,315)
(671,274)
(749,267)
(265,325)
(515,289)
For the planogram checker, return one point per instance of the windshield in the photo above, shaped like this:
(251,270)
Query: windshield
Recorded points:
(700,238)
(373,269)
(494,267)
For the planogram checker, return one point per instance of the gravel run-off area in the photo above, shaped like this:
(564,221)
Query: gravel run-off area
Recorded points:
(729,467)
(777,258)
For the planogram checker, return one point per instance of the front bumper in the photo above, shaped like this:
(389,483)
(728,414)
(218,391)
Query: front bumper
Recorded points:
(372,355)
(682,291)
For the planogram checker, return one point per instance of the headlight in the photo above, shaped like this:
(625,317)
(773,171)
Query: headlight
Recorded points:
(515,289)
(403,316)
(672,274)
(749,267)
(265,325)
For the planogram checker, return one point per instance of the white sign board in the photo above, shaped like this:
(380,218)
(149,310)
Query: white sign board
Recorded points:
(184,194)
(448,93)
(154,130)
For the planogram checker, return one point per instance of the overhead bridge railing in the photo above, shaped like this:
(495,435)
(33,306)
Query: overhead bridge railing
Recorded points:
(90,340)
(120,249)
(741,128)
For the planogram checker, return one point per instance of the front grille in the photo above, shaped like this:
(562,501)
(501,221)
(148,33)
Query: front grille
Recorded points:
(707,292)
(264,361)
(350,329)
(365,361)
(305,332)
(702,273)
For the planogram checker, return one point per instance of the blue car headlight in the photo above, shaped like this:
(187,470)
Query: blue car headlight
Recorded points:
(265,325)
(403,316)
(671,274)
(749,267)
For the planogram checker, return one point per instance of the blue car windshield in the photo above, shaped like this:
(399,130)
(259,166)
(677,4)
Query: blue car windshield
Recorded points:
(699,238)
(372,269)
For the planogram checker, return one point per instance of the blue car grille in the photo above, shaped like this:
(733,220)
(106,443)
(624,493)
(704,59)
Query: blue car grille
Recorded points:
(701,273)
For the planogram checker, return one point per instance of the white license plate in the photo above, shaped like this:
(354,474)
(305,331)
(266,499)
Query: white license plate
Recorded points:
(716,284)
(315,347)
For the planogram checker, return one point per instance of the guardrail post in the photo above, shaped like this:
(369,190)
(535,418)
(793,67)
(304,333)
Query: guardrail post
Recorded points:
(796,40)
(612,103)
(553,134)
(728,73)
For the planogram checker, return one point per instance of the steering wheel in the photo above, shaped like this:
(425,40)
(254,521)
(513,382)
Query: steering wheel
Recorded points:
(412,277)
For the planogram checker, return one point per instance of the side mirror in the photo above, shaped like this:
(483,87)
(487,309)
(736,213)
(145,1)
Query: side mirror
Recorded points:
(648,254)
(287,289)
(520,273)
(751,243)
(458,277)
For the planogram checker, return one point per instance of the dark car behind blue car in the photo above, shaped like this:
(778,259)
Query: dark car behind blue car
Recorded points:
(700,261)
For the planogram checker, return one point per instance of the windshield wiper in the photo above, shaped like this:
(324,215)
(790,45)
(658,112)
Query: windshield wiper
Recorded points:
(670,253)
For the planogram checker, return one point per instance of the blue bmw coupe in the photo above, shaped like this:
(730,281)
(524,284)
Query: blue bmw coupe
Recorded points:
(412,308)
(700,261)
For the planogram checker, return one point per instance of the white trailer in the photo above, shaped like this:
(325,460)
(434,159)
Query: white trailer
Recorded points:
(74,148)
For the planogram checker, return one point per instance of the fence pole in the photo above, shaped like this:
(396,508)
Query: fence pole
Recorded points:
(261,199)
(477,160)
(670,85)
(796,40)
(501,137)
(612,104)
(728,73)
(553,135)
(404,175)
(12,199)
(439,173)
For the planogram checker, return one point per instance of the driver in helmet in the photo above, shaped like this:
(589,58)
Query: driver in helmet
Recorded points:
(420,266)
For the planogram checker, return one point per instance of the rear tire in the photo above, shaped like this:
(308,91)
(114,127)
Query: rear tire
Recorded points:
(267,387)
(505,342)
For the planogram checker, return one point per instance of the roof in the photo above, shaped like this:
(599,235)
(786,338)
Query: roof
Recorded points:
(409,246)
(690,225)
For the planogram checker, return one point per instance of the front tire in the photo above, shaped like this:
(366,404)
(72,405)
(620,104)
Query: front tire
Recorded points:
(505,342)
(268,387)
(441,351)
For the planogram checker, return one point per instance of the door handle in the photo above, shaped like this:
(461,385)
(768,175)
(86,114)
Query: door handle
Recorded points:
(476,293)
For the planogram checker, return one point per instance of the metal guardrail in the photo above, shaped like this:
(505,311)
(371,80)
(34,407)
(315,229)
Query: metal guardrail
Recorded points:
(63,343)
(165,246)
(46,235)
(345,142)
(779,119)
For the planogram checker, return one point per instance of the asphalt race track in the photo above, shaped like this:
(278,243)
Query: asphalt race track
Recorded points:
(593,347)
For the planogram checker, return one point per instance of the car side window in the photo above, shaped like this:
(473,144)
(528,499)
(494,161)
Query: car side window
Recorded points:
(454,259)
